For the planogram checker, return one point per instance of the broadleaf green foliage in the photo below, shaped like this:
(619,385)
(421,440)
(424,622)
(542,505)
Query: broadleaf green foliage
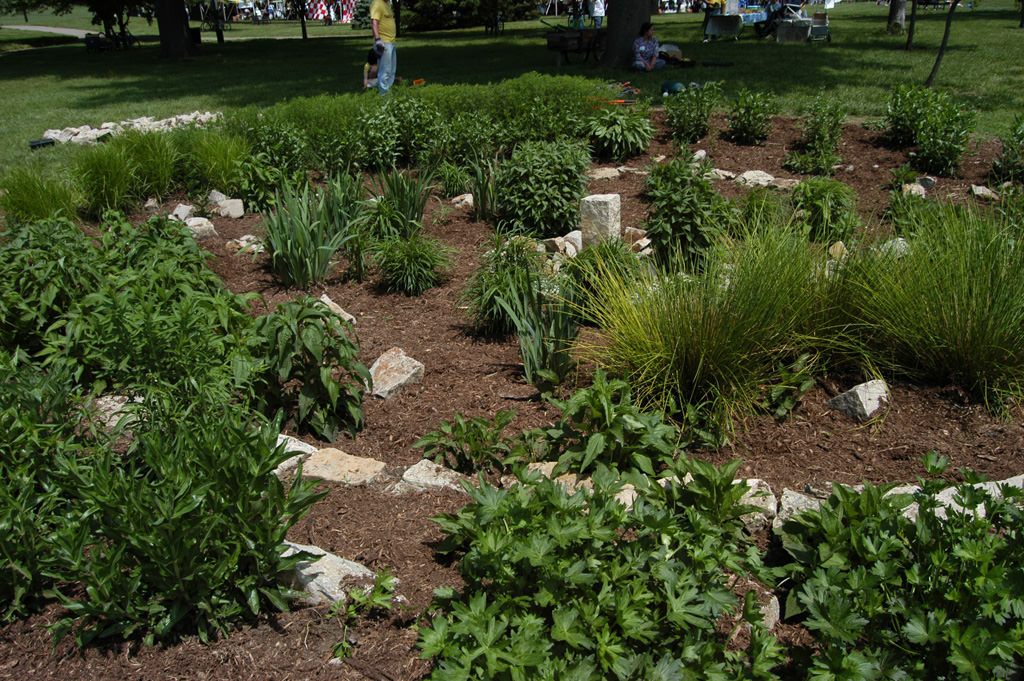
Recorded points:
(495,277)
(687,112)
(938,597)
(930,121)
(540,186)
(574,585)
(685,213)
(184,531)
(1009,167)
(469,444)
(822,129)
(750,116)
(311,368)
(601,426)
(828,208)
(411,264)
(374,601)
(542,311)
(618,133)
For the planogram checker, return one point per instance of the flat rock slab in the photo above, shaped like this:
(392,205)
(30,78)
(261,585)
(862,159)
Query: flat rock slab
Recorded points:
(393,371)
(297,447)
(323,579)
(334,465)
(792,503)
(426,474)
(755,178)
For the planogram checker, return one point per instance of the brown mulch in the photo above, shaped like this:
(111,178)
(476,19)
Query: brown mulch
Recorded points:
(477,378)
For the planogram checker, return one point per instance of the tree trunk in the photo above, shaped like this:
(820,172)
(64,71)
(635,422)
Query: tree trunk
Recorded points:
(942,47)
(172,22)
(897,17)
(910,26)
(624,19)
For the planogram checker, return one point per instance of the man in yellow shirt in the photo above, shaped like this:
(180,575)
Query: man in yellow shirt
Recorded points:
(382,17)
(711,8)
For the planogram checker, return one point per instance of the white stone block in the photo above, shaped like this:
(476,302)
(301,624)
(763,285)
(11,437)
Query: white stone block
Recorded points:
(600,218)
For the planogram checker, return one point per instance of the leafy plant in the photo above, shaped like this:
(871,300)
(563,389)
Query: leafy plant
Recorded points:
(750,118)
(539,188)
(469,444)
(1009,167)
(926,598)
(828,209)
(482,183)
(687,112)
(941,137)
(401,200)
(576,586)
(260,182)
(411,265)
(822,129)
(308,363)
(375,600)
(907,105)
(302,246)
(618,133)
(496,275)
(685,213)
(794,379)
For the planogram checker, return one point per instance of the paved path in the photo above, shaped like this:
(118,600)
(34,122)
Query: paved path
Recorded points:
(76,32)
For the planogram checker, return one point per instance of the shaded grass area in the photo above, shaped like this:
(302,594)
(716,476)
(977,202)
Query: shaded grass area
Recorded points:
(57,83)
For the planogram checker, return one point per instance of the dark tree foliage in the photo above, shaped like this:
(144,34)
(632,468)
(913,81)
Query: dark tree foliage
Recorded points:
(427,15)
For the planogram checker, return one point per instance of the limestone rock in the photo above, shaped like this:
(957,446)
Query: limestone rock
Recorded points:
(926,181)
(837,250)
(201,228)
(792,503)
(755,178)
(759,494)
(337,309)
(914,189)
(784,183)
(603,173)
(575,239)
(296,446)
(393,371)
(983,192)
(426,474)
(324,578)
(463,201)
(182,212)
(896,248)
(699,155)
(151,204)
(720,174)
(215,197)
(862,401)
(247,243)
(335,465)
(231,208)
(600,218)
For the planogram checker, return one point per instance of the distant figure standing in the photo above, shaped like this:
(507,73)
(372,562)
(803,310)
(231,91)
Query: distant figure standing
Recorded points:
(597,11)
(711,8)
(645,50)
(384,32)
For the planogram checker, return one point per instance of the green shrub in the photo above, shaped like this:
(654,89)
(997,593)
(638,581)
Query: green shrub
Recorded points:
(539,188)
(688,111)
(822,130)
(260,182)
(411,264)
(181,534)
(580,587)
(326,124)
(617,133)
(685,212)
(701,346)
(31,194)
(281,143)
(1009,167)
(469,444)
(454,179)
(495,277)
(302,247)
(106,174)
(828,209)
(155,159)
(907,105)
(750,118)
(941,137)
(309,366)
(931,598)
(950,310)
(465,135)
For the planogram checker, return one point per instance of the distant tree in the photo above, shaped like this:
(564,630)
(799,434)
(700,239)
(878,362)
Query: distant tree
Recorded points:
(624,20)
(897,19)
(172,22)
(361,15)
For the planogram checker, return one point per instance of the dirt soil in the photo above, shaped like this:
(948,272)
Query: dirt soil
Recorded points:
(475,378)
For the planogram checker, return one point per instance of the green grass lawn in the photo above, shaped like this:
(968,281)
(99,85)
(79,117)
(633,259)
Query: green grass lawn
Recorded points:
(51,81)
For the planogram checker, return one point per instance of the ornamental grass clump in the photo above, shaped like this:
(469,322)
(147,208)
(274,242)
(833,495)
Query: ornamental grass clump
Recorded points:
(708,342)
(947,309)
(495,277)
(1009,167)
(28,193)
(107,176)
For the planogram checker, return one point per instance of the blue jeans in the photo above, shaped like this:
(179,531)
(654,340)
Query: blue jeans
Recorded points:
(386,65)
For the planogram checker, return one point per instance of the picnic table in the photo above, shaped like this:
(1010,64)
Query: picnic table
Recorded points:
(588,42)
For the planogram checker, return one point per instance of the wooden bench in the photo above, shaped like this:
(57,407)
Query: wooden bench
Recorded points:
(587,42)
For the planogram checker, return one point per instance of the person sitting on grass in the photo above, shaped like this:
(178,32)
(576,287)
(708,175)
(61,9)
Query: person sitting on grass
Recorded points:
(645,50)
